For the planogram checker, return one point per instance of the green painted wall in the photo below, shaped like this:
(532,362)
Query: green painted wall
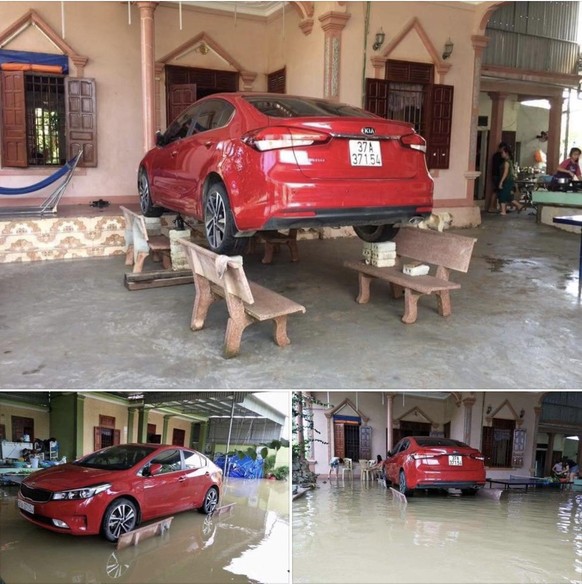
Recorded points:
(63,424)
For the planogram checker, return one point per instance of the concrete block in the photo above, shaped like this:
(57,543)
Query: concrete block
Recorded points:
(179,259)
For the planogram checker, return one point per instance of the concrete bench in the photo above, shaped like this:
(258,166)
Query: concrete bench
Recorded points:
(219,276)
(443,250)
(140,243)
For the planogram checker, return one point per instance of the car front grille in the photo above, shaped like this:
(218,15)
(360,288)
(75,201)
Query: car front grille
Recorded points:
(37,495)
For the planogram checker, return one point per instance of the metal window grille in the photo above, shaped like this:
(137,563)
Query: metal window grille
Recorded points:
(45,120)
(352,441)
(405,103)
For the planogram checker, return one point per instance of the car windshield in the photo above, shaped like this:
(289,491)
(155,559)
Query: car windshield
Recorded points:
(435,441)
(299,107)
(116,457)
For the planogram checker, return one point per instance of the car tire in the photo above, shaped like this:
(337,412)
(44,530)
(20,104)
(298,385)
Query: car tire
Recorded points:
(402,486)
(210,501)
(376,233)
(219,224)
(121,516)
(146,204)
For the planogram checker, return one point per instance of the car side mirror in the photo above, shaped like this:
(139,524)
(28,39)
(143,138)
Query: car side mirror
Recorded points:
(389,454)
(159,138)
(154,469)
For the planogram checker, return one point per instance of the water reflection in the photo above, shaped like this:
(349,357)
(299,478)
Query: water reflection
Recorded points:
(350,533)
(249,544)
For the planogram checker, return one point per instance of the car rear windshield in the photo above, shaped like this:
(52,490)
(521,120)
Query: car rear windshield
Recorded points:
(300,107)
(116,457)
(435,441)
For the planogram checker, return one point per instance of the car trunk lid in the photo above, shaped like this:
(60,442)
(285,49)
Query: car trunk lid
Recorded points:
(358,148)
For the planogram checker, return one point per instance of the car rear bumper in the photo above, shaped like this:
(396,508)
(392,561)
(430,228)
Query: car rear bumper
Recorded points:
(449,485)
(339,217)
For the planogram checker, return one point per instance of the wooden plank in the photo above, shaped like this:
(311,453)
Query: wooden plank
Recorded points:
(157,279)
(135,536)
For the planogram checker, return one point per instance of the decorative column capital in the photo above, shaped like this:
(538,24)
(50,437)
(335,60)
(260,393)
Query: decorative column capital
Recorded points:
(480,42)
(497,96)
(333,21)
(306,25)
(248,79)
(79,63)
(469,402)
(147,8)
(379,64)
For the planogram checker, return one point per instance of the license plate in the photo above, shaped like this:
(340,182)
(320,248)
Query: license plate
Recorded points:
(365,153)
(26,506)
(455,460)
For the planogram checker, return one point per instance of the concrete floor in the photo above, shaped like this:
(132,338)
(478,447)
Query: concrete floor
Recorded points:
(516,323)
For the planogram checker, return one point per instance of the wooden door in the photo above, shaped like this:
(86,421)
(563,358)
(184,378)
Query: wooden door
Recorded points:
(178,437)
(13,119)
(179,98)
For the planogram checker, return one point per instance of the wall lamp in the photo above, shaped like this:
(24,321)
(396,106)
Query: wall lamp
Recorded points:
(521,414)
(448,49)
(489,408)
(380,37)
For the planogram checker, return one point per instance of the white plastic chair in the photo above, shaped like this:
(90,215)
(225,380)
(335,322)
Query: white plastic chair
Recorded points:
(347,467)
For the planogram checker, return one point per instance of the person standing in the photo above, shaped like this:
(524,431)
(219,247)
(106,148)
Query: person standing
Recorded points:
(572,469)
(507,183)
(496,170)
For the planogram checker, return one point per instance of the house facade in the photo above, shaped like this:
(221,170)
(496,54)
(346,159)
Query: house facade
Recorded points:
(115,72)
(520,433)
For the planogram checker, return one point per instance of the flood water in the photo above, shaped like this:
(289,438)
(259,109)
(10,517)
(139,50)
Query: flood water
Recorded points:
(357,533)
(248,544)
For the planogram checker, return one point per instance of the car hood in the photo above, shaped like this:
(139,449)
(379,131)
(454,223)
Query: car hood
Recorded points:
(69,476)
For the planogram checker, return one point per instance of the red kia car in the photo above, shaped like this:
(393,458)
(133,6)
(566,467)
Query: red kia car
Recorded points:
(247,162)
(113,490)
(429,462)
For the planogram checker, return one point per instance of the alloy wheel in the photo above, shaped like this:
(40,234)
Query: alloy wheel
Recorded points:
(121,520)
(215,219)
(144,192)
(210,501)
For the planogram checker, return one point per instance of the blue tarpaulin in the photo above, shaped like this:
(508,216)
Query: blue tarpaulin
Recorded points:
(30,58)
(245,468)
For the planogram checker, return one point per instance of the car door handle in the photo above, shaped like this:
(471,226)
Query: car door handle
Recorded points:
(181,479)
(208,144)
(174,154)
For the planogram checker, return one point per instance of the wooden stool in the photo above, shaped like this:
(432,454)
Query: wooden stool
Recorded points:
(273,241)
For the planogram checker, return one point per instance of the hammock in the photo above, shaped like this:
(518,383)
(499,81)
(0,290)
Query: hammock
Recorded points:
(49,205)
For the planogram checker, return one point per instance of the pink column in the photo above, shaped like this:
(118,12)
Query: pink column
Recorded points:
(147,30)
(496,128)
(554,130)
(389,420)
(332,23)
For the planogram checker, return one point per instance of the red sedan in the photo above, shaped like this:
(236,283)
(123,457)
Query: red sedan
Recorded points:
(113,490)
(429,462)
(248,162)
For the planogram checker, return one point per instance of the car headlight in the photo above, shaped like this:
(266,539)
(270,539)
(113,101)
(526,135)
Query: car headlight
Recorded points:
(84,493)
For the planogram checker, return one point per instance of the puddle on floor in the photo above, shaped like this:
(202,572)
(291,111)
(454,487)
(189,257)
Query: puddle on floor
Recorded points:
(358,533)
(249,544)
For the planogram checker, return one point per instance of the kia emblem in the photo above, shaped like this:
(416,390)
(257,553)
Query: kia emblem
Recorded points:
(368,131)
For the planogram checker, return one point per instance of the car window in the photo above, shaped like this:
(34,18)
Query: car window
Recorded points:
(294,107)
(180,127)
(193,460)
(115,458)
(213,114)
(170,461)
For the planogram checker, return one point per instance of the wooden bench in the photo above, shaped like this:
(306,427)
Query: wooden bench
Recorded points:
(140,243)
(219,276)
(444,250)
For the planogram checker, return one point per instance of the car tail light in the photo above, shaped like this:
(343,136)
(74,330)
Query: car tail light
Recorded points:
(277,137)
(422,456)
(414,141)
